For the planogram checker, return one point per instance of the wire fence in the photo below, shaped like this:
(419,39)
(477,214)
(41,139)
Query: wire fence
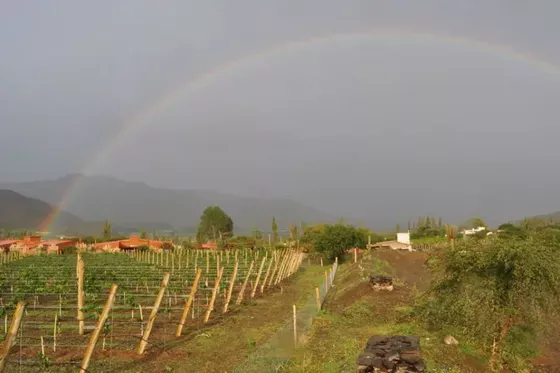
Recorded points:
(277,352)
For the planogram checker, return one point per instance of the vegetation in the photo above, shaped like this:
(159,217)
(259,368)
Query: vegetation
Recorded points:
(493,288)
(274,230)
(336,239)
(107,230)
(427,227)
(214,222)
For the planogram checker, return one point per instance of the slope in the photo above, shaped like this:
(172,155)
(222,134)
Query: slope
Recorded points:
(96,198)
(20,212)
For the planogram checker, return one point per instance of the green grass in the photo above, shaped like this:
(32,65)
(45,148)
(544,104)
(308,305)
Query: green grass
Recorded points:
(339,334)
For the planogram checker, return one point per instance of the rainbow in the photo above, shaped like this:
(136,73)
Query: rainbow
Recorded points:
(191,86)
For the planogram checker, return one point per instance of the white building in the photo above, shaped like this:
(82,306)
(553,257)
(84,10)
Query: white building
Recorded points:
(470,232)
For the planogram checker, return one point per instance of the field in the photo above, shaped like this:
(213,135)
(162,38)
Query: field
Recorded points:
(49,336)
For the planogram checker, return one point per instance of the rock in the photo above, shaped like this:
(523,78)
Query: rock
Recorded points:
(381,282)
(394,354)
(364,369)
(366,358)
(450,340)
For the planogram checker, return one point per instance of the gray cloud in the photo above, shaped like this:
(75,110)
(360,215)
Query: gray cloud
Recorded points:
(384,129)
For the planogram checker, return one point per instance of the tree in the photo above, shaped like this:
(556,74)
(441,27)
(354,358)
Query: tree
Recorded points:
(143,234)
(474,223)
(213,223)
(337,238)
(398,228)
(274,230)
(257,234)
(440,223)
(490,288)
(107,230)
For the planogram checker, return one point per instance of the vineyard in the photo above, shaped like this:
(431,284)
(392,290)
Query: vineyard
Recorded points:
(127,303)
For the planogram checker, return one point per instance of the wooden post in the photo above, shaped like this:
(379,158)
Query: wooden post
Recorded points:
(231,284)
(326,282)
(267,274)
(295,326)
(214,292)
(207,262)
(144,341)
(98,328)
(321,261)
(241,293)
(189,303)
(54,331)
(280,269)
(81,295)
(318,298)
(258,278)
(273,272)
(12,334)
(355,255)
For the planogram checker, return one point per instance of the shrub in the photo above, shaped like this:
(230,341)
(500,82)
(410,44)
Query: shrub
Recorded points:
(493,287)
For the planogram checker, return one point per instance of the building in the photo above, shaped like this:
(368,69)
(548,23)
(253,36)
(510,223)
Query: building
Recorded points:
(470,232)
(130,243)
(29,243)
(402,243)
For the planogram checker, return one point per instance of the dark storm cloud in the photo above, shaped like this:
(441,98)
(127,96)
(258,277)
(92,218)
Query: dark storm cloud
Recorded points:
(381,130)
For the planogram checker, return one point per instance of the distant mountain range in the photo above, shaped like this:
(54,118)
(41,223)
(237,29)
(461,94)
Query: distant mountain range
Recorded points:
(20,212)
(136,205)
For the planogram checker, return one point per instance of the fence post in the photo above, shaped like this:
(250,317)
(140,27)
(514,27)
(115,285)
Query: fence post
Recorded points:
(276,263)
(213,299)
(258,278)
(98,328)
(295,327)
(318,299)
(267,274)
(192,294)
(144,341)
(355,255)
(12,334)
(231,284)
(241,293)
(80,270)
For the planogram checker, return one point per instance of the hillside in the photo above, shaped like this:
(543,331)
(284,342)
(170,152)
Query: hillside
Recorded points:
(20,212)
(96,198)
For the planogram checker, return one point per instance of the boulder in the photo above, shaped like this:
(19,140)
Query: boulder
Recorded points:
(391,354)
(379,282)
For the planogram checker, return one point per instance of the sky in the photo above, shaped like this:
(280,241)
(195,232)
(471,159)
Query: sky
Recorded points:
(347,106)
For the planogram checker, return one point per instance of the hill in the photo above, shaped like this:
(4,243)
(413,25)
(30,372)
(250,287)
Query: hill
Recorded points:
(96,198)
(20,212)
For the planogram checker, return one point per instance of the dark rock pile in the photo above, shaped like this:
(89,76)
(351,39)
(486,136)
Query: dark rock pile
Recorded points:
(381,282)
(391,354)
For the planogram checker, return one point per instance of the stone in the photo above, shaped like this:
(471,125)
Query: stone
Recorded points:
(450,340)
(366,358)
(364,369)
(411,357)
(381,282)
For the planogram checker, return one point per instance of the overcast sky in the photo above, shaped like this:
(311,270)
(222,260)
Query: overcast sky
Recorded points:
(396,125)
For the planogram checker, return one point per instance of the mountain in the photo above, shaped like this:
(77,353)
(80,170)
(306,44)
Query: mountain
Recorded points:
(96,198)
(20,212)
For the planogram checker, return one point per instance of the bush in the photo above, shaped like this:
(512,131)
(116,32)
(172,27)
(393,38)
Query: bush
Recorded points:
(338,238)
(492,288)
(69,250)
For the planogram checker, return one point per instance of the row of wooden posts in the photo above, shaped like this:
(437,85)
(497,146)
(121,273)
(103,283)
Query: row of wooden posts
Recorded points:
(181,260)
(285,264)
